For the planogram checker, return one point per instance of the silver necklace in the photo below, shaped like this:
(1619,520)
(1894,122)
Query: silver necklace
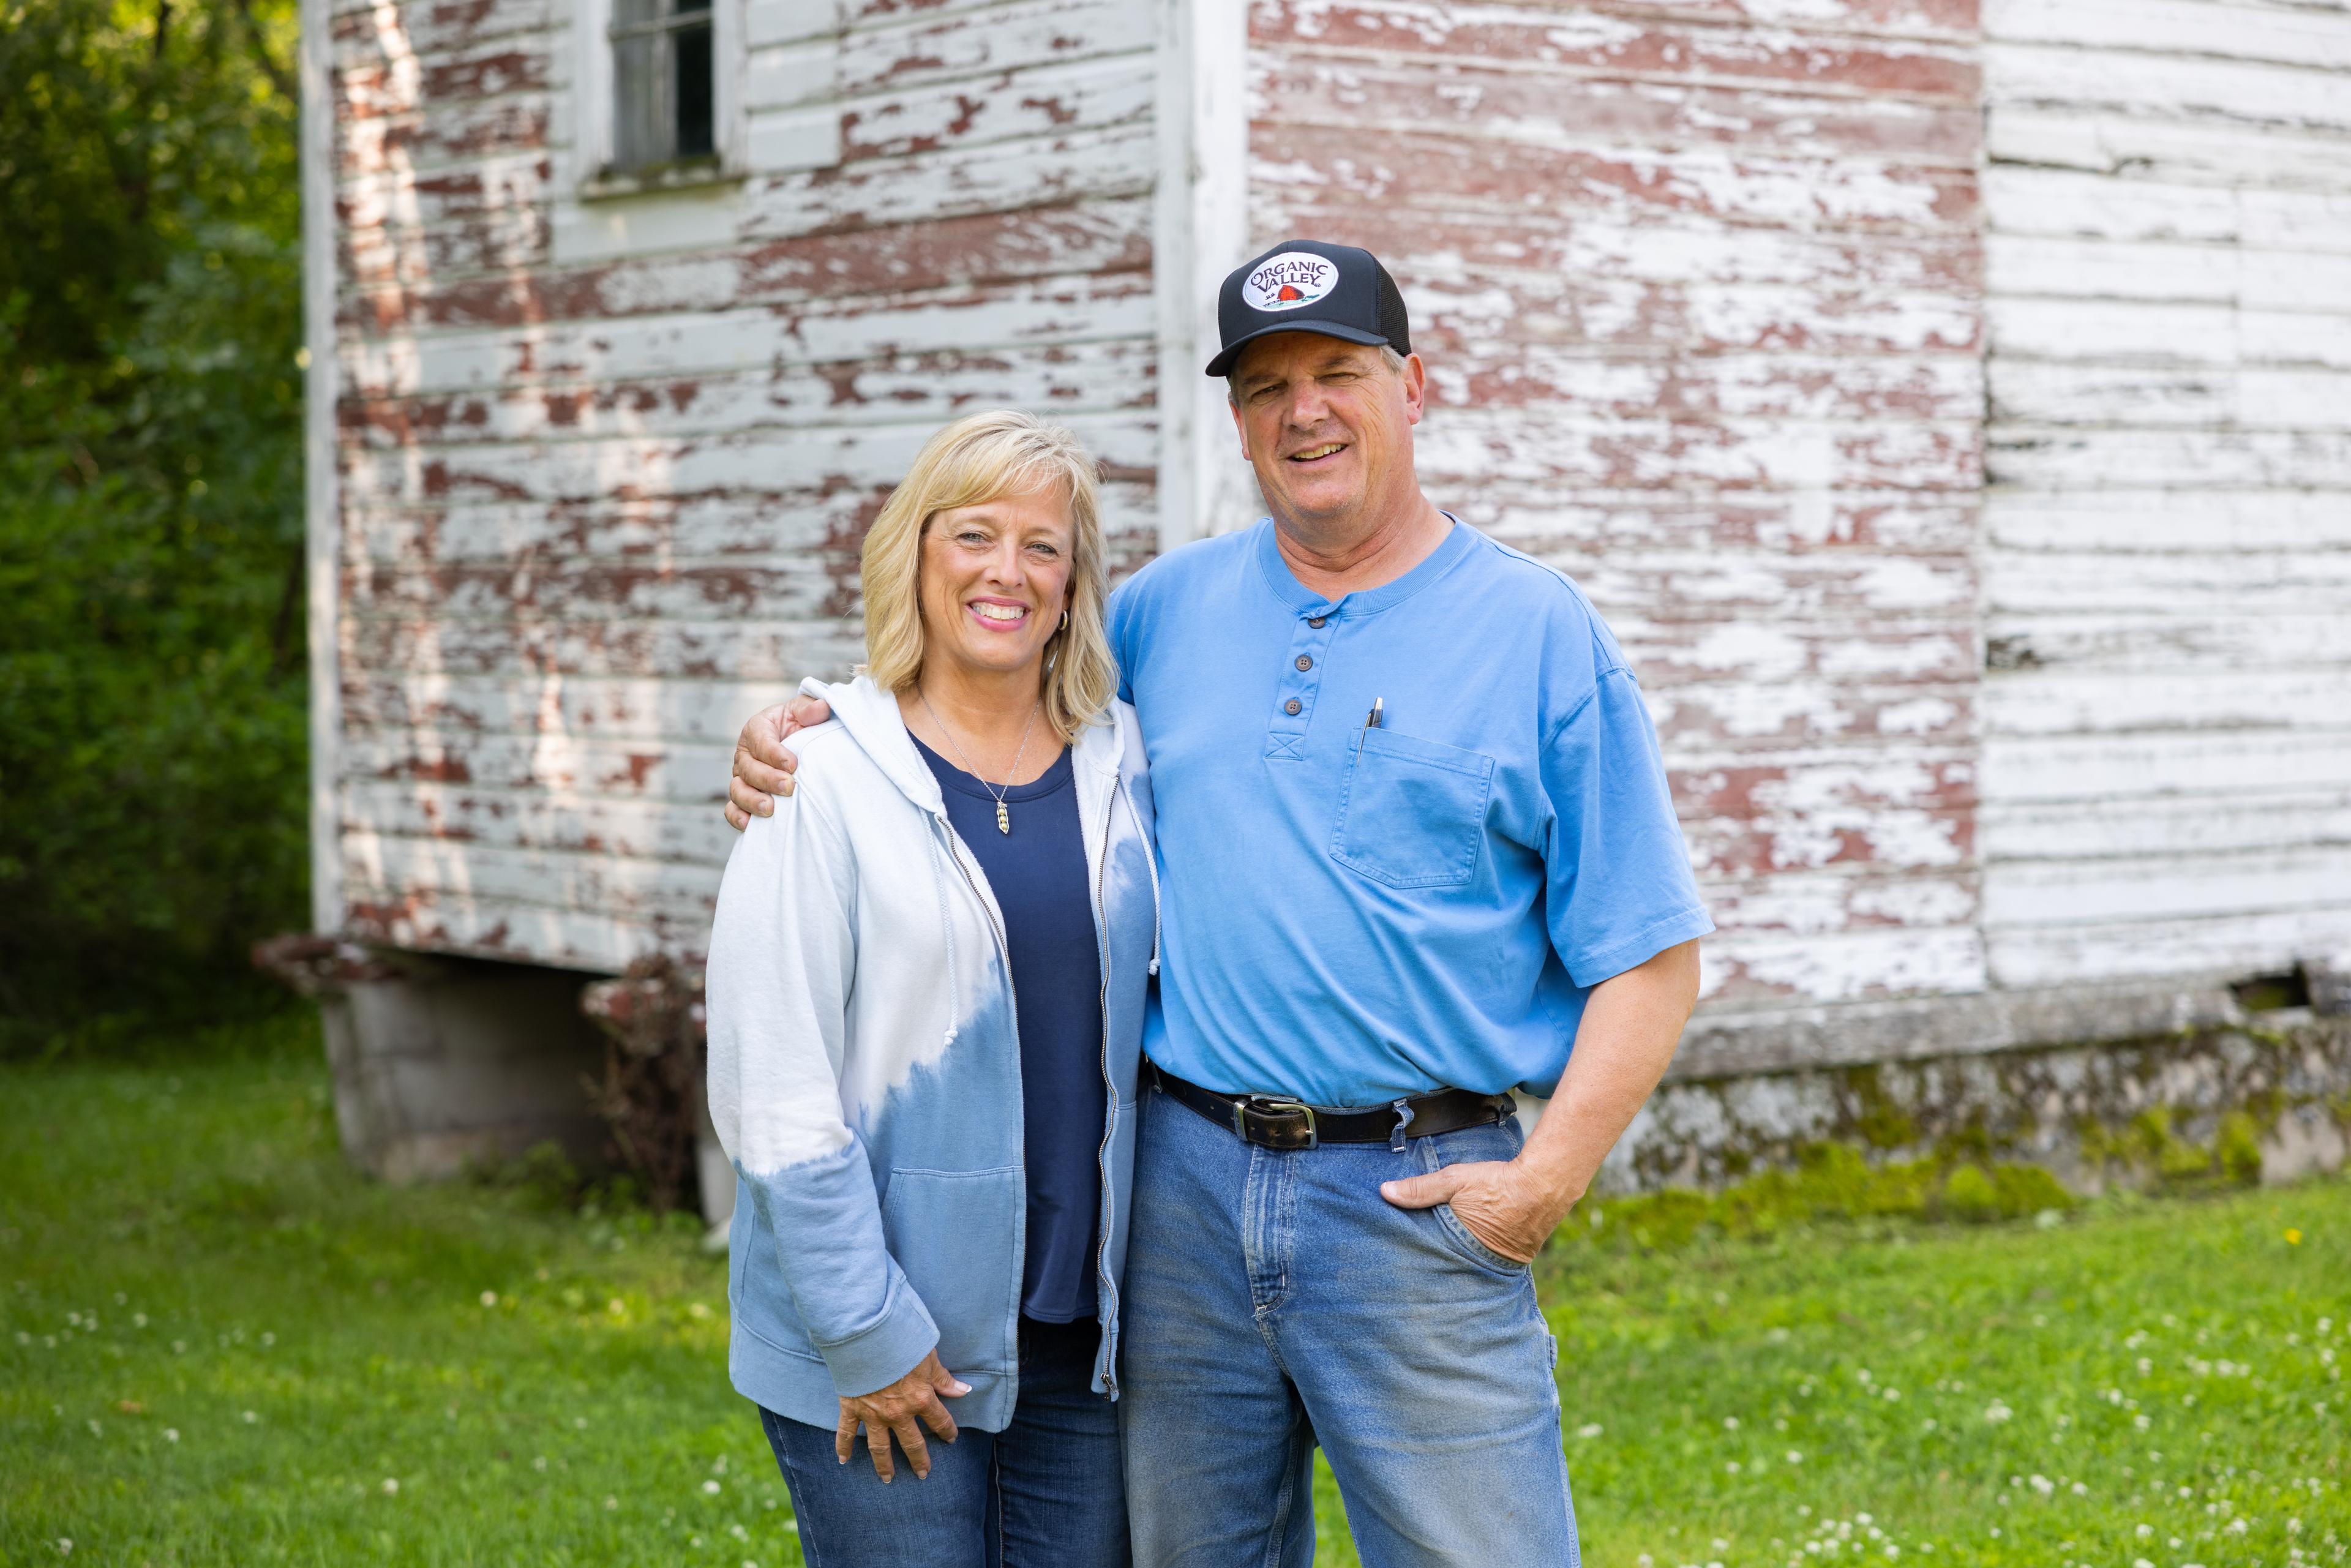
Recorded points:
(1003,817)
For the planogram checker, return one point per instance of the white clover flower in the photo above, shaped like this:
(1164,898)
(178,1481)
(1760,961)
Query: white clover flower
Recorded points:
(391,1486)
(540,1463)
(1894,1394)
(2294,1526)
(1997,1412)
(1796,1456)
(610,1503)
(489,1298)
(170,1434)
(64,1546)
(2141,1563)
(711,1488)
(580,1423)
(2141,1422)
(1863,1519)
(1730,1423)
(739,1533)
(252,1417)
(1589,1430)
(2146,1366)
(268,1340)
(1721,1544)
(1731,1465)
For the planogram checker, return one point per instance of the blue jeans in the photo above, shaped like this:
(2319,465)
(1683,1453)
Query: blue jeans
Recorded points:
(1275,1301)
(1049,1489)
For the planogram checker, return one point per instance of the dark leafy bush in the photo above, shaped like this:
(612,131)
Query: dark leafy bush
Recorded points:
(151,676)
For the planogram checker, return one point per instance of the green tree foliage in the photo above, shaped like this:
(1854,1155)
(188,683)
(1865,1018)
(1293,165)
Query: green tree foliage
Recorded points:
(151,680)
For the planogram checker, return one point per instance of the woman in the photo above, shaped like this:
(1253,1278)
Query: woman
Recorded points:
(925,992)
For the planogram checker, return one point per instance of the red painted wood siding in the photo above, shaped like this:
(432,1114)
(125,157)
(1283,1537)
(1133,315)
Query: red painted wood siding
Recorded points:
(602,496)
(1700,290)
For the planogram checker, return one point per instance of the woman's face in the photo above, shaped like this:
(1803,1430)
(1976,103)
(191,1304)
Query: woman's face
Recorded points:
(995,580)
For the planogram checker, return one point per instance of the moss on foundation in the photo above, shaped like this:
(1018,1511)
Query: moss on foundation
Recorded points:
(1826,1183)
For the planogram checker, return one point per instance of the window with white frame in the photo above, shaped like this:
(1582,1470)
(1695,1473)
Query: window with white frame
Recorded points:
(664,100)
(658,99)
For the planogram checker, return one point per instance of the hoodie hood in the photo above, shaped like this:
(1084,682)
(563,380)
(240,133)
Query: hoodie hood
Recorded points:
(871,716)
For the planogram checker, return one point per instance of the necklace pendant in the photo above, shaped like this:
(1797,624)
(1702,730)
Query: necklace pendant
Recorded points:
(1003,819)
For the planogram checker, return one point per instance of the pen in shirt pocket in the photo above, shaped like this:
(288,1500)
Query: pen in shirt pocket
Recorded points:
(1370,722)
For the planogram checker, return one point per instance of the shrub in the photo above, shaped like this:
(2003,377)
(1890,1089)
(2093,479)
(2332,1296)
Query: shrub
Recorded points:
(152,690)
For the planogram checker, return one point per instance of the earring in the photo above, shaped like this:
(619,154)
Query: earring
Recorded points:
(1065,622)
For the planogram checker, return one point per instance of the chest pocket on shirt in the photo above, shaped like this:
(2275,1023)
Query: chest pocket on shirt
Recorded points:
(1412,813)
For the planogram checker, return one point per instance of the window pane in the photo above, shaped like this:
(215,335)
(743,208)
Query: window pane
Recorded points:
(643,120)
(694,118)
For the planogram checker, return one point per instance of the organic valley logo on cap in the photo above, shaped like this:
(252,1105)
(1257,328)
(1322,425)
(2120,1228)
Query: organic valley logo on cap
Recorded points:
(1286,281)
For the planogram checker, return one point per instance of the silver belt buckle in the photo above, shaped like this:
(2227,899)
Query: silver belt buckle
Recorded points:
(1272,1104)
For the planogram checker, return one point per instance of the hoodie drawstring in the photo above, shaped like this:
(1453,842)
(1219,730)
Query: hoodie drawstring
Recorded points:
(947,926)
(1151,863)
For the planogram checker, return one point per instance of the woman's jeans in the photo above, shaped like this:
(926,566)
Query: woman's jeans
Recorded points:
(1048,1492)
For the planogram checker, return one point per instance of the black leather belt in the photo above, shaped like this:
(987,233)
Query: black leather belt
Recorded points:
(1279,1121)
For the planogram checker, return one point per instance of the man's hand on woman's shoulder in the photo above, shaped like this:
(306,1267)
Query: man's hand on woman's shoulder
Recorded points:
(763,763)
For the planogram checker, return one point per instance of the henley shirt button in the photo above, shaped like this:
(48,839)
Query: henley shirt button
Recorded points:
(1291,707)
(1305,662)
(1316,621)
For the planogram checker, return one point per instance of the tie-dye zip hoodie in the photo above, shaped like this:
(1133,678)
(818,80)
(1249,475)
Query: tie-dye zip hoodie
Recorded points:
(865,1070)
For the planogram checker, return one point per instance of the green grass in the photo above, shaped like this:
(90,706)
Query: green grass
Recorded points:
(217,1345)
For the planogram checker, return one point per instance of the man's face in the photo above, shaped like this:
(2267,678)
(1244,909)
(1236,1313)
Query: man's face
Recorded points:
(1327,425)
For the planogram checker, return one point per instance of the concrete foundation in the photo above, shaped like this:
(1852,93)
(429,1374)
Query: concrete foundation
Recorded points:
(2265,1094)
(444,1064)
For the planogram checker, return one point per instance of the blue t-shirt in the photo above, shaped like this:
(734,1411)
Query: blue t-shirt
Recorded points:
(1355,914)
(1037,873)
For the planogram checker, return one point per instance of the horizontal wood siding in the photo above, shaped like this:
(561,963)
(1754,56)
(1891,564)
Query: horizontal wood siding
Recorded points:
(2166,787)
(1700,287)
(605,465)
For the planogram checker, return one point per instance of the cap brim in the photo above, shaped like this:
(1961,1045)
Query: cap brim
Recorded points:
(1222,365)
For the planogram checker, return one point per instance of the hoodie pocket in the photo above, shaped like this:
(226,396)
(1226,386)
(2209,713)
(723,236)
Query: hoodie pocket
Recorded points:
(954,1234)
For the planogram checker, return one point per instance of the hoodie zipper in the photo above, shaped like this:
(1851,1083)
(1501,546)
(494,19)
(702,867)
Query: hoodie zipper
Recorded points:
(1012,999)
(1109,1086)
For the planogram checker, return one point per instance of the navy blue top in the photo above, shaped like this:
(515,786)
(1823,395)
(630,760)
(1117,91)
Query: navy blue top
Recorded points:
(1037,873)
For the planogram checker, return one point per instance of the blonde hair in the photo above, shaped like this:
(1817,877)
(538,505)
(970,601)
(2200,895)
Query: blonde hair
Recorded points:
(985,457)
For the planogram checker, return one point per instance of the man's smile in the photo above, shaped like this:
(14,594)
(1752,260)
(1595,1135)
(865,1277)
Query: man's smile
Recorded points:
(1316,453)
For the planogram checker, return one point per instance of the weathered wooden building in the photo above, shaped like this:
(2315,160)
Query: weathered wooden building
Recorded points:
(1948,403)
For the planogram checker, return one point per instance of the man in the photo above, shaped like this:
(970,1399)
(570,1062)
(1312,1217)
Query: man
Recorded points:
(1415,840)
